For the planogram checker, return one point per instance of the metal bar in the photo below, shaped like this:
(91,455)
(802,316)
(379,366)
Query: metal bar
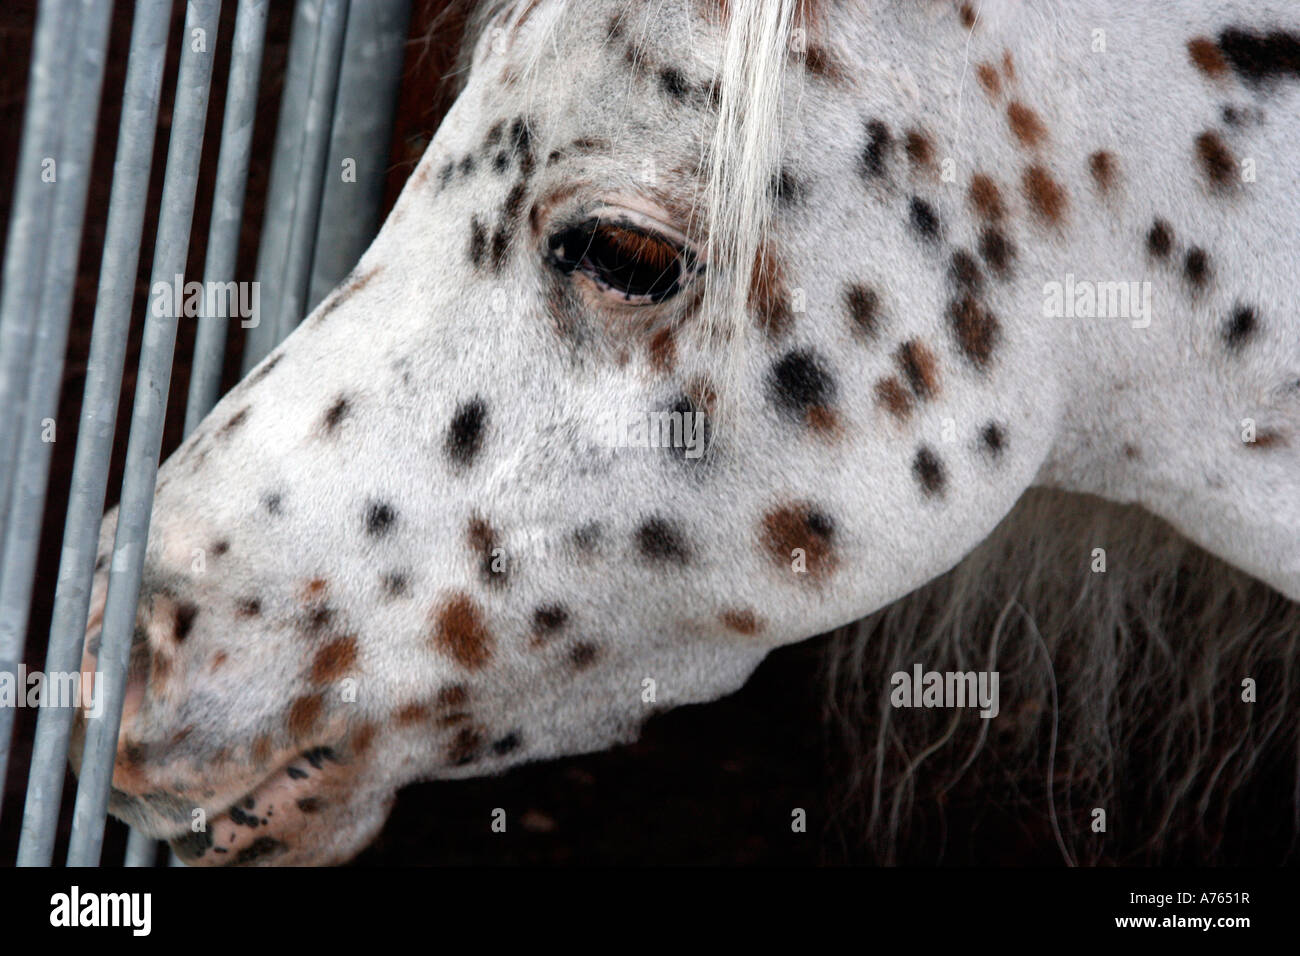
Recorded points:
(31,474)
(228,202)
(318,121)
(28,236)
(362,135)
(141,850)
(121,257)
(281,189)
(145,442)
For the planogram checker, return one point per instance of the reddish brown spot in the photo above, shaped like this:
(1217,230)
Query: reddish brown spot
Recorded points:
(893,397)
(1008,65)
(1104,169)
(767,293)
(702,394)
(1207,57)
(822,63)
(822,419)
(413,713)
(986,197)
(218,660)
(741,621)
(1045,195)
(460,633)
(920,151)
(261,751)
(314,589)
(304,713)
(920,368)
(362,739)
(454,695)
(989,80)
(1029,129)
(334,660)
(1217,161)
(453,718)
(1267,438)
(800,528)
(663,350)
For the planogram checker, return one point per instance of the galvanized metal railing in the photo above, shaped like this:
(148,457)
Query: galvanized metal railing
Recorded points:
(344,66)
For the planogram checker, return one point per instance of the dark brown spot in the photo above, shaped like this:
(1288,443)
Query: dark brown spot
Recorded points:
(993,438)
(248,607)
(1104,169)
(875,154)
(465,432)
(998,251)
(335,414)
(1044,194)
(185,615)
(894,397)
(483,540)
(1160,239)
(967,15)
(976,329)
(660,541)
(460,633)
(919,149)
(863,304)
(334,659)
(548,619)
(453,696)
(465,746)
(1241,325)
(1267,438)
(965,271)
(821,63)
(663,351)
(929,471)
(234,422)
(583,656)
(924,219)
(1196,267)
(920,368)
(767,293)
(304,713)
(413,713)
(986,197)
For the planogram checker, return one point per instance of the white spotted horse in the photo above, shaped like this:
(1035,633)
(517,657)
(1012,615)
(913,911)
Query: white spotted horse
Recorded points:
(828,231)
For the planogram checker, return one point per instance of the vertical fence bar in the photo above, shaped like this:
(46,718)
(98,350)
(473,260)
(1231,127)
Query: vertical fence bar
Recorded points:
(285,165)
(121,257)
(28,236)
(228,202)
(363,132)
(32,469)
(317,124)
(145,441)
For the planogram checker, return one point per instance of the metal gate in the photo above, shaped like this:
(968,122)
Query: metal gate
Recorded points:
(336,113)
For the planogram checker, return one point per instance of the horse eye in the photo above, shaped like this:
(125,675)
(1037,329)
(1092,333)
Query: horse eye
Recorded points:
(640,265)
